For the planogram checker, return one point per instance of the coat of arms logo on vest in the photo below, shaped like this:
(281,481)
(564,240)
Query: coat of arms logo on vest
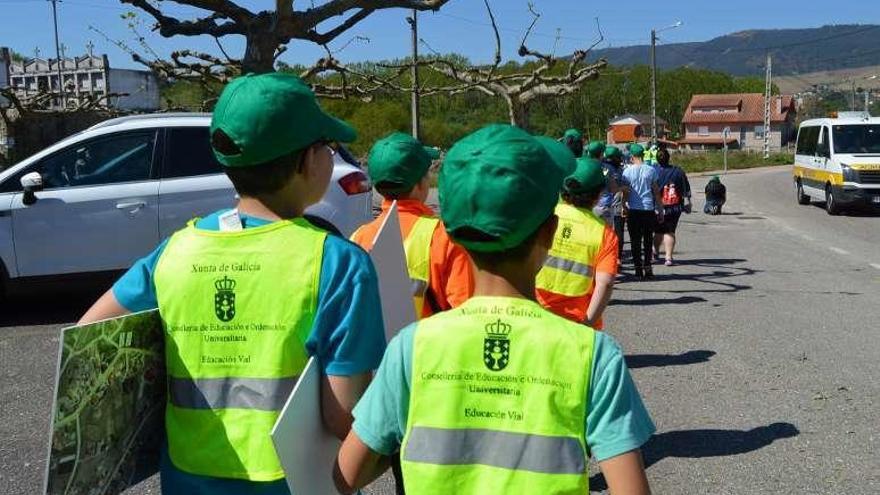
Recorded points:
(224,299)
(566,231)
(496,346)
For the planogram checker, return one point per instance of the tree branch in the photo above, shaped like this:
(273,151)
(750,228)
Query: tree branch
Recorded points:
(169,26)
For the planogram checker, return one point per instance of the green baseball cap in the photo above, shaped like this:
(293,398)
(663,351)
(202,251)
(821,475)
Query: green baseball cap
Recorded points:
(496,183)
(587,177)
(637,149)
(560,154)
(269,115)
(400,159)
(595,149)
(572,135)
(612,152)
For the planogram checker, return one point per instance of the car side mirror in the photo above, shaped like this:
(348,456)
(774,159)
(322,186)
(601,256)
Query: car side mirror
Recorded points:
(31,183)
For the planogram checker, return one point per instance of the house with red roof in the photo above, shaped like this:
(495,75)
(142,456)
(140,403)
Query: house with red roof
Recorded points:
(742,114)
(634,128)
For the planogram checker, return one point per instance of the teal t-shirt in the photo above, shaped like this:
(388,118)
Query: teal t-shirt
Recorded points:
(617,420)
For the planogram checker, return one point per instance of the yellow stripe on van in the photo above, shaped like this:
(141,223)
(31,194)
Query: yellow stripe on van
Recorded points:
(865,166)
(834,178)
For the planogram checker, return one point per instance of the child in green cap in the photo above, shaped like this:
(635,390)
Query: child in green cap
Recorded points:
(595,149)
(574,140)
(248,295)
(610,206)
(500,395)
(578,276)
(441,271)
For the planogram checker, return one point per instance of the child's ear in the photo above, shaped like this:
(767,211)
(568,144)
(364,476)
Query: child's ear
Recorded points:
(309,161)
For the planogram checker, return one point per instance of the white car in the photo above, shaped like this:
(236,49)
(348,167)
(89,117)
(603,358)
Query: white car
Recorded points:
(97,201)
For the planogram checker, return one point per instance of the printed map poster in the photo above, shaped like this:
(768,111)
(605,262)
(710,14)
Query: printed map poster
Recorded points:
(108,411)
(395,286)
(307,451)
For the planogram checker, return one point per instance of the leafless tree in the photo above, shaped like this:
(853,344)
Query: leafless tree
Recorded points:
(552,76)
(268,32)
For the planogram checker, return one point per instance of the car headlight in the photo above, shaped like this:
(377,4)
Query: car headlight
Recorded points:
(849,174)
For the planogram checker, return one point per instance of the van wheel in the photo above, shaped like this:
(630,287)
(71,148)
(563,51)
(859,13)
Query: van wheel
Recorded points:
(802,198)
(831,205)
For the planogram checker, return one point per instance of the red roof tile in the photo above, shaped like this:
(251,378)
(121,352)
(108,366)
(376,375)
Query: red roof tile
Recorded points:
(750,108)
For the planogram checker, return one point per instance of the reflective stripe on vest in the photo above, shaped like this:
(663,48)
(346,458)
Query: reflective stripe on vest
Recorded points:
(537,453)
(263,394)
(490,415)
(417,247)
(237,315)
(568,270)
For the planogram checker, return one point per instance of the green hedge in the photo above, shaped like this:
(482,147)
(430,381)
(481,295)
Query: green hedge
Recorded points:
(714,160)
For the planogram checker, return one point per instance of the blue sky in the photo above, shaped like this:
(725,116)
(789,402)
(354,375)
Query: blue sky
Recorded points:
(460,26)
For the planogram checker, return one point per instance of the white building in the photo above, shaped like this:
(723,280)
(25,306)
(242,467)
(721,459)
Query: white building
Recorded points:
(82,76)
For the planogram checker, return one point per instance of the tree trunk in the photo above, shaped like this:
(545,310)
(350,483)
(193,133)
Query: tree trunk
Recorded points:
(259,55)
(518,112)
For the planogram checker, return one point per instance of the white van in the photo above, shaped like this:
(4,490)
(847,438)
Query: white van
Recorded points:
(838,161)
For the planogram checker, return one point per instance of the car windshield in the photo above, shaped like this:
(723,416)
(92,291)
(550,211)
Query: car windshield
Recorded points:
(857,139)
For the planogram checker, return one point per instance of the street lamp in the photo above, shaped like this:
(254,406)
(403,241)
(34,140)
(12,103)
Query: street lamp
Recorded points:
(654,76)
(867,92)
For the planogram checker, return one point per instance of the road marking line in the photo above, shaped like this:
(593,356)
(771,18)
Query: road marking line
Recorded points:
(838,250)
(875,265)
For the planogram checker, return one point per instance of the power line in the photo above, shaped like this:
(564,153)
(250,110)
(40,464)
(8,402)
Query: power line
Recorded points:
(788,45)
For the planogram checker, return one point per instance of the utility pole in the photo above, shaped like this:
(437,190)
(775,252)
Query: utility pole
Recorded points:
(654,85)
(654,77)
(767,94)
(853,106)
(58,54)
(414,106)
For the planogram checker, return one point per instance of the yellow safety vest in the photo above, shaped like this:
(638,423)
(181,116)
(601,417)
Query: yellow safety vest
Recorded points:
(489,414)
(568,270)
(238,308)
(417,248)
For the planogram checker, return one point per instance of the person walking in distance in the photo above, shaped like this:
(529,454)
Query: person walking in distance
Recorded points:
(644,205)
(676,198)
(610,206)
(716,196)
(451,394)
(574,139)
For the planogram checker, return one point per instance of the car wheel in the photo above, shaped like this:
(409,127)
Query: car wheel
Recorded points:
(831,205)
(802,198)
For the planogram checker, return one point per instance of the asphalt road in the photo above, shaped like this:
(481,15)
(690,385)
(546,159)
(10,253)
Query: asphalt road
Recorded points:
(757,354)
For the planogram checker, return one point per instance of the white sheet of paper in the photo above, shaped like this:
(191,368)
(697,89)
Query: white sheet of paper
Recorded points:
(395,285)
(307,451)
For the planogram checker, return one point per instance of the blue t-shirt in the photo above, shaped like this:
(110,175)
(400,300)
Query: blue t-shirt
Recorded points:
(640,179)
(617,421)
(348,335)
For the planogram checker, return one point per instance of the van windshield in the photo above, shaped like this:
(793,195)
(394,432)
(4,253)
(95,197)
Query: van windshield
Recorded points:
(857,139)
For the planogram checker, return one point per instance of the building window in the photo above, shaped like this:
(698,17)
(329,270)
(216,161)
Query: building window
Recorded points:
(703,130)
(759,131)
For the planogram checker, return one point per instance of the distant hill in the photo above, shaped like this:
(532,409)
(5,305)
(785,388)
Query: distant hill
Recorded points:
(835,80)
(795,51)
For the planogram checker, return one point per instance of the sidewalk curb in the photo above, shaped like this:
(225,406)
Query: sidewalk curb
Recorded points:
(739,171)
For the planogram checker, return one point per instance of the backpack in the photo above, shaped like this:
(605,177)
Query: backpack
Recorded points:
(670,195)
